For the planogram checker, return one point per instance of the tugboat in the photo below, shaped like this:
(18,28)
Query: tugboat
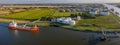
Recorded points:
(104,35)
(13,26)
(103,38)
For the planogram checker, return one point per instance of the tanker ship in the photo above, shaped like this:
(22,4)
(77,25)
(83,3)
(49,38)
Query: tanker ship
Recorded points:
(14,26)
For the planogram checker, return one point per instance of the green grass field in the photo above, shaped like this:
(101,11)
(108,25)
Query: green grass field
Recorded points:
(107,22)
(30,14)
(36,14)
(61,14)
(102,21)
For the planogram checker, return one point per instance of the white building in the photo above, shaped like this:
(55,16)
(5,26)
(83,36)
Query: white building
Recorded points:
(78,18)
(64,20)
(104,12)
(94,11)
(62,10)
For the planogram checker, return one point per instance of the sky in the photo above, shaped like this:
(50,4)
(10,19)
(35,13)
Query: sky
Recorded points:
(57,1)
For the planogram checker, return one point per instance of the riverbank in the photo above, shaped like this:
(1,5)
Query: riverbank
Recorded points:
(9,20)
(45,23)
(24,22)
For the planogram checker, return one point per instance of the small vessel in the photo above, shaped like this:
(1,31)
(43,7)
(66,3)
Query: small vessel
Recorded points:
(13,26)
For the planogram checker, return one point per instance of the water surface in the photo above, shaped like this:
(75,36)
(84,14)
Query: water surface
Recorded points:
(46,36)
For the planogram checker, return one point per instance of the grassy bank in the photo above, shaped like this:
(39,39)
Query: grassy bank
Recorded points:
(24,22)
(108,22)
(9,20)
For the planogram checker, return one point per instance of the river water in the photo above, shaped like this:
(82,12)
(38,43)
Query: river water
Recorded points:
(48,36)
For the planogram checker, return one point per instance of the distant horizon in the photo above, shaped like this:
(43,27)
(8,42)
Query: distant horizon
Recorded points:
(55,1)
(50,3)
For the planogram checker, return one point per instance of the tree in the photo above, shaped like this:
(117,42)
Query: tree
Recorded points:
(73,15)
(86,15)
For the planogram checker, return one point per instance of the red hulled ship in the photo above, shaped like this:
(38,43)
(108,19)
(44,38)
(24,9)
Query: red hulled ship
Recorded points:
(13,26)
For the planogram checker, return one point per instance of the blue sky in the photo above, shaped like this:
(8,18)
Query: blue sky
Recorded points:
(59,1)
